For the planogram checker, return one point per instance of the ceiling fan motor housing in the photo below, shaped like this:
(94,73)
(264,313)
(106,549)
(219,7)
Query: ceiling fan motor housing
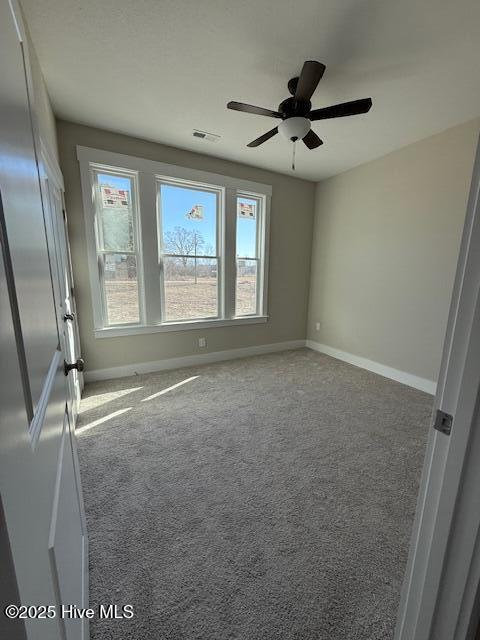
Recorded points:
(291,107)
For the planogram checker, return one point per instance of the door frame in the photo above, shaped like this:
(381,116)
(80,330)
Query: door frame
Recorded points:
(51,178)
(441,585)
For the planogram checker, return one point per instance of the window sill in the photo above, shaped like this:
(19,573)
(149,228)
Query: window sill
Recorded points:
(131,330)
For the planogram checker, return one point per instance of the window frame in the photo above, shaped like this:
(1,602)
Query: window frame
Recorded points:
(149,175)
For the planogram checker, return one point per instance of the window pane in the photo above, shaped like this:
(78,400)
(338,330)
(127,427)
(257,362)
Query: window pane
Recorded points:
(115,213)
(189,221)
(121,288)
(191,286)
(246,290)
(247,217)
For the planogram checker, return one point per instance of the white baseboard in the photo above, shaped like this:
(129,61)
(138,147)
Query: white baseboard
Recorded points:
(423,384)
(189,361)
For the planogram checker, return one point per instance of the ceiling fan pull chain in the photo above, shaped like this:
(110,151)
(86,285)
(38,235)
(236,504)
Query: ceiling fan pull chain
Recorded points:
(293,155)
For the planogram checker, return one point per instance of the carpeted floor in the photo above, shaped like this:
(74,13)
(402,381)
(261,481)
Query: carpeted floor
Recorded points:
(257,499)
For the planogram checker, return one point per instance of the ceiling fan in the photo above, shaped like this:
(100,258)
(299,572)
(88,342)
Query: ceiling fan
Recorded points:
(296,112)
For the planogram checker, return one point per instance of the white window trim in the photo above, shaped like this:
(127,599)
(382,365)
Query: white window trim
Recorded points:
(149,172)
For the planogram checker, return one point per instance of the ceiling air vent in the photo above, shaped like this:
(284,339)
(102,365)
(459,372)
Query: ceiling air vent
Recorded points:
(204,135)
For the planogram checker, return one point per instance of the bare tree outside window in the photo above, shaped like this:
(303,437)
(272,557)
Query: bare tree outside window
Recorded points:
(183,242)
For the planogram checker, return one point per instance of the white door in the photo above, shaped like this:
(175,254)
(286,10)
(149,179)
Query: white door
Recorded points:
(39,482)
(68,541)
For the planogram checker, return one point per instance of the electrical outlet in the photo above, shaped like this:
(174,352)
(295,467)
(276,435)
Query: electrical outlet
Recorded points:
(317,326)
(202,342)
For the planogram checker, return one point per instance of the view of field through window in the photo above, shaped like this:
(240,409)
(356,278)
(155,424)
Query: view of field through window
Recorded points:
(247,262)
(188,236)
(189,229)
(188,219)
(116,244)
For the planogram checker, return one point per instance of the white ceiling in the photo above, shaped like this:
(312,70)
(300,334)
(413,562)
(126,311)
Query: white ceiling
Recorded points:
(157,69)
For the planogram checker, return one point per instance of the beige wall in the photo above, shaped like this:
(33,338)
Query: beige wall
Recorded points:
(289,269)
(385,245)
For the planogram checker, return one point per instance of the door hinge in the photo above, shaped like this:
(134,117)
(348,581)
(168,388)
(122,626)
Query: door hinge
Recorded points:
(443,422)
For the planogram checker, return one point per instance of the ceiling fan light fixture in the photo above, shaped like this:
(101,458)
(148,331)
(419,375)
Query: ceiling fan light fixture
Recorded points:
(295,128)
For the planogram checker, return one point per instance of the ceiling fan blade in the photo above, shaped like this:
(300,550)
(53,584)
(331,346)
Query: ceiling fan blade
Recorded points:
(311,140)
(266,136)
(250,108)
(310,76)
(352,108)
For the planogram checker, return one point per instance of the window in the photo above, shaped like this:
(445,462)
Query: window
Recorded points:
(117,246)
(172,248)
(189,250)
(249,210)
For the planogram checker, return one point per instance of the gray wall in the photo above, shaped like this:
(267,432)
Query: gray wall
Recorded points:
(289,269)
(385,245)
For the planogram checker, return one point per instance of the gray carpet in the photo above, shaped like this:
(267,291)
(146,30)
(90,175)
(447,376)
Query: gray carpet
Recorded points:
(268,498)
